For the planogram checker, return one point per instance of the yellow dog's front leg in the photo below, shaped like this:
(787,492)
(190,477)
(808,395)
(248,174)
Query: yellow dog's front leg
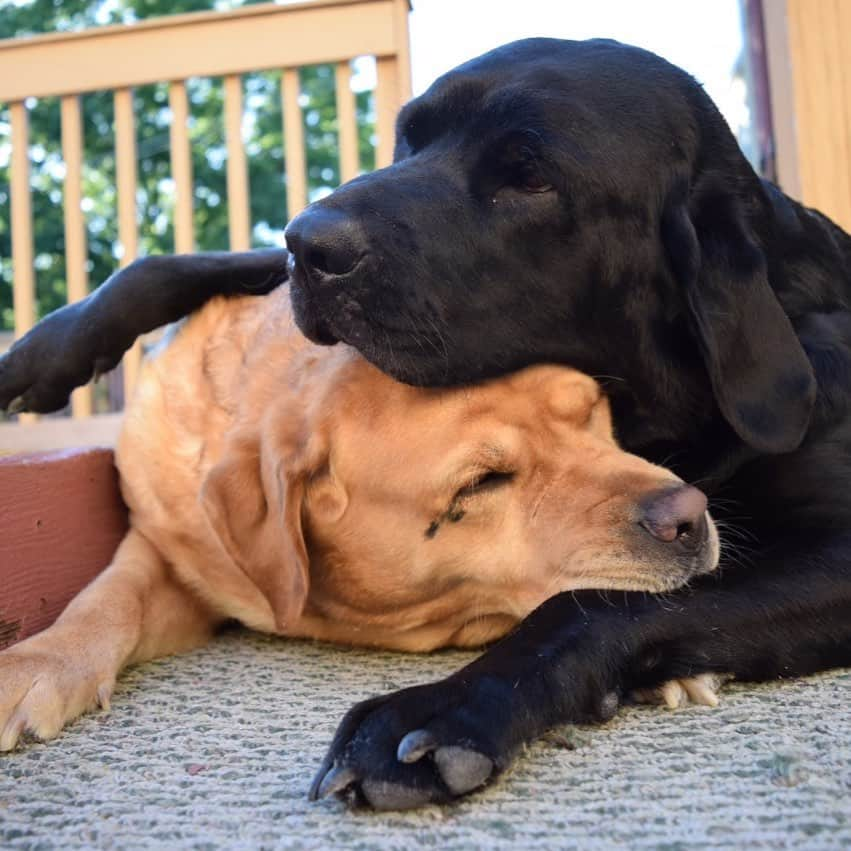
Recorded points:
(135,610)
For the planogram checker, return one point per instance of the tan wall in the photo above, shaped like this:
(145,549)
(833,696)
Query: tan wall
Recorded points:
(819,49)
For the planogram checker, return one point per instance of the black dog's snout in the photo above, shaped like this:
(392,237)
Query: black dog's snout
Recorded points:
(676,516)
(325,242)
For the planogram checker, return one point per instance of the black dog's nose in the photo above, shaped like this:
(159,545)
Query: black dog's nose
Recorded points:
(324,241)
(676,516)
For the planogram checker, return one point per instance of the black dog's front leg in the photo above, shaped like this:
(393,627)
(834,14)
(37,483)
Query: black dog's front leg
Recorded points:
(88,338)
(574,658)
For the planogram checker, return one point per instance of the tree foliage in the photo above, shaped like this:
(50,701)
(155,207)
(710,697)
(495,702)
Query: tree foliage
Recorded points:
(262,132)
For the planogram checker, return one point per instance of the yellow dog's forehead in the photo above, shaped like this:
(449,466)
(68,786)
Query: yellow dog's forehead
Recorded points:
(543,390)
(441,435)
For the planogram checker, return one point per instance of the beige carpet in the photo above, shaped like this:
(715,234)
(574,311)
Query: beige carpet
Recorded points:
(216,749)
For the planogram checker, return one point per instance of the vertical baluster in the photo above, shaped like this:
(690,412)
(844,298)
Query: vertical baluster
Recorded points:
(294,144)
(23,273)
(386,106)
(75,226)
(393,84)
(125,168)
(239,218)
(401,11)
(346,123)
(181,168)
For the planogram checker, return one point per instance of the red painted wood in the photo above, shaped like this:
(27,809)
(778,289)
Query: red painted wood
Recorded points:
(61,519)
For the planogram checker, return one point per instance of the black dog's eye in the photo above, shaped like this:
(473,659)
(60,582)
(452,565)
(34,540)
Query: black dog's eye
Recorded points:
(526,171)
(530,178)
(486,482)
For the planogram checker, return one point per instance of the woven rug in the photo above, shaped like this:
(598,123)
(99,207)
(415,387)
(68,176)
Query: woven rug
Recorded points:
(216,749)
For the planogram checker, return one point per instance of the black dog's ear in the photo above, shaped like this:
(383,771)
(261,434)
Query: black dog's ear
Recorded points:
(762,380)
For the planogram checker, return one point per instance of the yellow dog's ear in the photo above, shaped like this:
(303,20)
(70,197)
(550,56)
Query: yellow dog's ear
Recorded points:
(253,499)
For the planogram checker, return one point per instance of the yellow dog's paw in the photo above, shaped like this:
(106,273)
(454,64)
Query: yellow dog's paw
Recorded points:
(41,690)
(702,690)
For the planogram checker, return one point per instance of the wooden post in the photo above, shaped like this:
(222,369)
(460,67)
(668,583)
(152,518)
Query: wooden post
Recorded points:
(181,168)
(239,215)
(23,281)
(296,163)
(386,107)
(125,167)
(75,225)
(347,127)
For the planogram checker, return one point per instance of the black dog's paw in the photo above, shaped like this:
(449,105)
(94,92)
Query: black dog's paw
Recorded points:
(59,354)
(424,745)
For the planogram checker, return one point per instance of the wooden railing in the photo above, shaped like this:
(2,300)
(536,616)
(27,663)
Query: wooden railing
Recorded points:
(173,49)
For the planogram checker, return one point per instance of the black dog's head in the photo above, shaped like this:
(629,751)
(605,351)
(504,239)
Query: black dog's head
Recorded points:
(578,202)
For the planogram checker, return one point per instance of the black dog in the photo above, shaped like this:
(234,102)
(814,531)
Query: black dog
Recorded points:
(582,203)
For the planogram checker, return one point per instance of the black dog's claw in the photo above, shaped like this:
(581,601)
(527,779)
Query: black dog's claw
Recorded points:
(416,745)
(17,405)
(337,779)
